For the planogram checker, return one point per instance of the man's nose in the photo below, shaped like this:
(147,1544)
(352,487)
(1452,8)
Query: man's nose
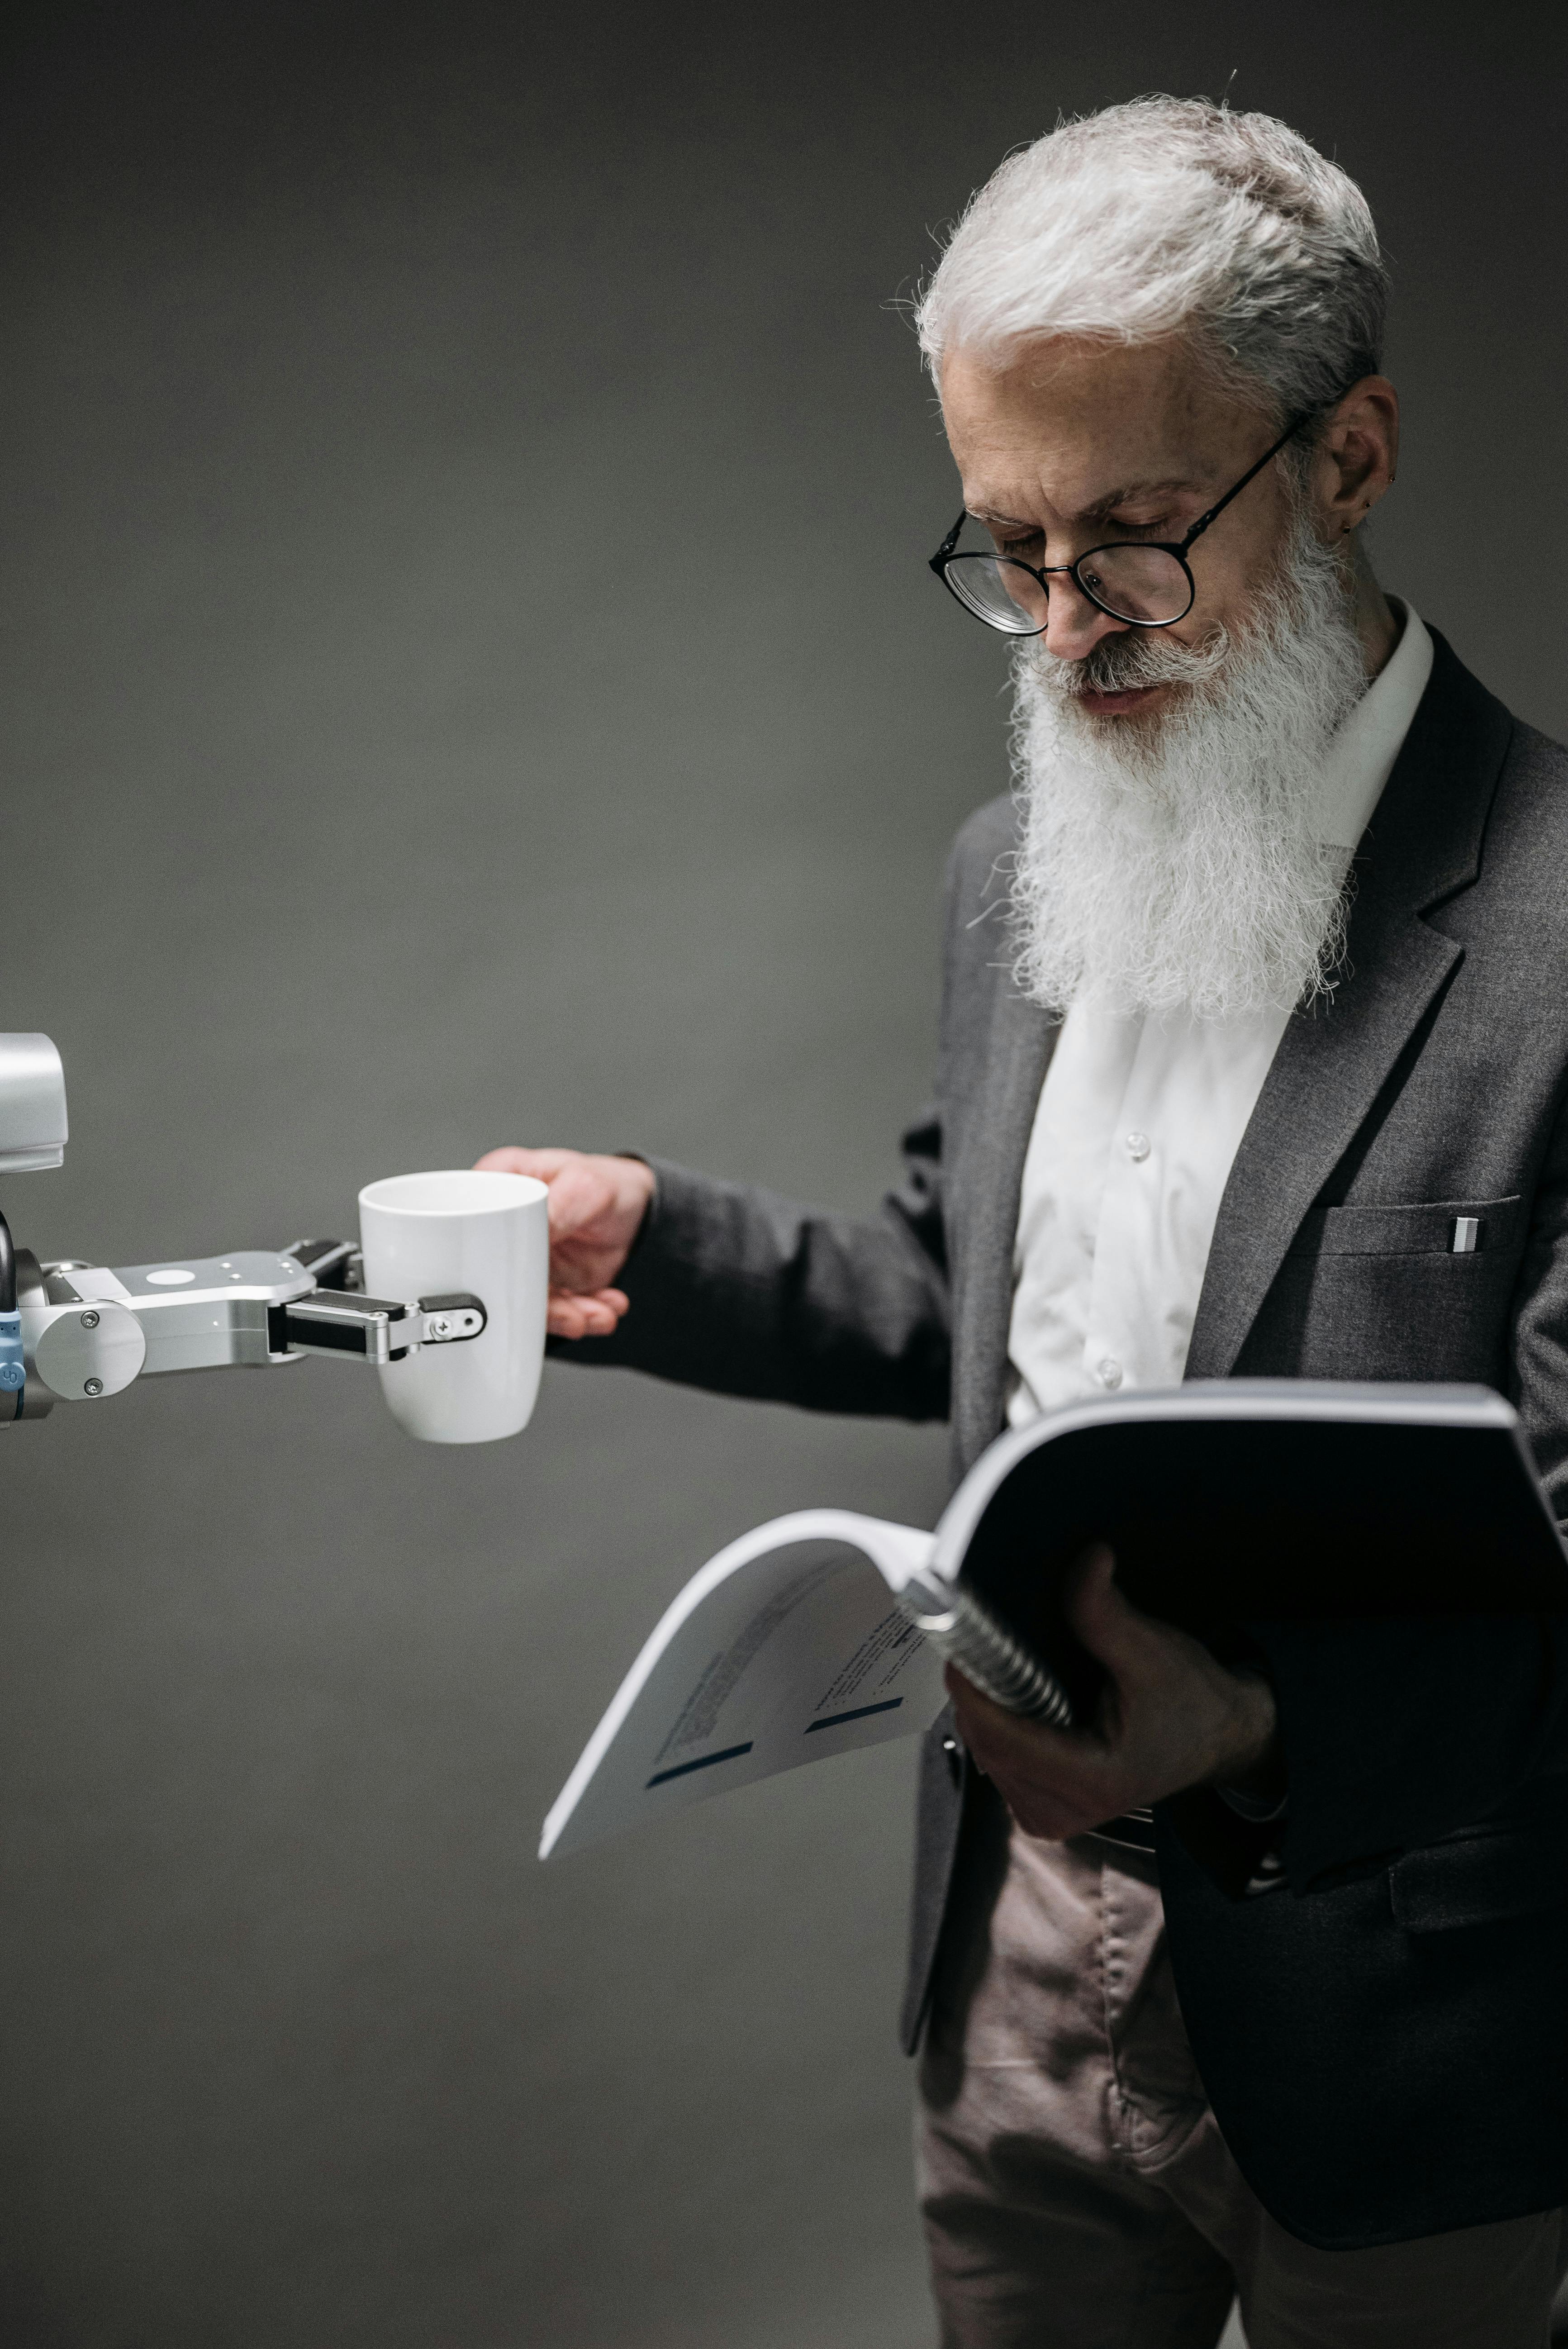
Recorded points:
(1074,626)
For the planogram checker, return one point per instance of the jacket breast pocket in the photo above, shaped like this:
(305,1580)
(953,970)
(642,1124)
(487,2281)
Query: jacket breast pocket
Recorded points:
(1418,1290)
(1456,1227)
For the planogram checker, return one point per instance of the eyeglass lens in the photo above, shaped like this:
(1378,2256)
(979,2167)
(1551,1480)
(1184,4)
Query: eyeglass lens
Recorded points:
(1142,583)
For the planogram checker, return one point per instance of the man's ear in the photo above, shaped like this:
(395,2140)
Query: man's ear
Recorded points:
(1356,453)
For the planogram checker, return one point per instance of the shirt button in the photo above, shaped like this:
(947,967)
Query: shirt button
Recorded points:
(1108,1372)
(1138,1148)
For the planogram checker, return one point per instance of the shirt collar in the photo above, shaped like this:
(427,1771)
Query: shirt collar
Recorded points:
(1362,754)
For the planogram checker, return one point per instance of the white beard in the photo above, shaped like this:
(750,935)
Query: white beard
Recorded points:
(1178,864)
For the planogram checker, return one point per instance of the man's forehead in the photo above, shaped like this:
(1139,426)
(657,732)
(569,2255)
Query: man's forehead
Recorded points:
(1083,428)
(1093,505)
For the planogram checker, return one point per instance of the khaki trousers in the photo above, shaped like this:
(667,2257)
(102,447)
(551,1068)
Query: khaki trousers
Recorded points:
(1078,2194)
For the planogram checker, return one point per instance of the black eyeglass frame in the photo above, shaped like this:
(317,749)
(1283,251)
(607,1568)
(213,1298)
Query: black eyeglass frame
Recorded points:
(944,556)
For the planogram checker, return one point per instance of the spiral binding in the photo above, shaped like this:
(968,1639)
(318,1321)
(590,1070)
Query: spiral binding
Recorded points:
(963,1630)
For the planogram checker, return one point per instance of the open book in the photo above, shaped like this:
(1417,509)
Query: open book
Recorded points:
(1226,1502)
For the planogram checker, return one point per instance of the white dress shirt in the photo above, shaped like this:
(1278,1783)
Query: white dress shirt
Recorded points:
(1139,1119)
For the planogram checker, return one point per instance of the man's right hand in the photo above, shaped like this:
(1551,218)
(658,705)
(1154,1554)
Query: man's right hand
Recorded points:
(596,1210)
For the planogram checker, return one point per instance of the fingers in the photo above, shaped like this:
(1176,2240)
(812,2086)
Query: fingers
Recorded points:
(596,1208)
(592,1316)
(1056,1783)
(978,1712)
(1000,1741)
(594,1199)
(544,1165)
(1125,1640)
(1091,1601)
(575,1184)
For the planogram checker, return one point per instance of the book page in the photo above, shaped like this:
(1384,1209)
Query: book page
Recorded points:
(790,1646)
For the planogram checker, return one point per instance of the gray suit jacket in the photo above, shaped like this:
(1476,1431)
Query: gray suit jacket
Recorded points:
(1386,2043)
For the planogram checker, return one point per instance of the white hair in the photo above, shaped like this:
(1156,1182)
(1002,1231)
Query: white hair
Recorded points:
(1167,216)
(1181,865)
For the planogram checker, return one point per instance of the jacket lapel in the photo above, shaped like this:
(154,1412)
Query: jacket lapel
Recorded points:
(1423,843)
(995,1141)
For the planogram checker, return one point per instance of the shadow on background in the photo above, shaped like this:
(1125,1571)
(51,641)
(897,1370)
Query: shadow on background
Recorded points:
(472,677)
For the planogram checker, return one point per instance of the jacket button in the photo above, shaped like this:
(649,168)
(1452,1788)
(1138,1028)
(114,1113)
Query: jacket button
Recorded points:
(954,1753)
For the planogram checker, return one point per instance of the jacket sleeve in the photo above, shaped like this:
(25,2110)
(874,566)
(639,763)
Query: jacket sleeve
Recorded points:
(741,1292)
(1395,1734)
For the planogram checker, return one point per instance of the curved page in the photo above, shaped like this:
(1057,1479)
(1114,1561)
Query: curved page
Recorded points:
(787,1647)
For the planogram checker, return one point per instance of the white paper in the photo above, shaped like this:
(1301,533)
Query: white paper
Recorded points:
(786,1648)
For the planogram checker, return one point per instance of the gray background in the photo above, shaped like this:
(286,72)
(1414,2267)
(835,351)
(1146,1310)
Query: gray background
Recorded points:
(470,676)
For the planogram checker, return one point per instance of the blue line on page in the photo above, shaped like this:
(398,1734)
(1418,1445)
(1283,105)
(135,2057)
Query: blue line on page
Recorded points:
(706,1763)
(890,1705)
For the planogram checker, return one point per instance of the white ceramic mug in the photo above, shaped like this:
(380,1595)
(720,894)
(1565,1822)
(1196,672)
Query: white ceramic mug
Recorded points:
(428,1235)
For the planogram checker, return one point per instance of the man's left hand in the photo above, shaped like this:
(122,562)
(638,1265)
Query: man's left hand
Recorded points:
(1170,1717)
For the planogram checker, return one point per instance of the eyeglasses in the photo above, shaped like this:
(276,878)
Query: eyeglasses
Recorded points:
(1144,582)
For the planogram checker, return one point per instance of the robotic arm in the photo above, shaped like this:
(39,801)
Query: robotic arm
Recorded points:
(72,1331)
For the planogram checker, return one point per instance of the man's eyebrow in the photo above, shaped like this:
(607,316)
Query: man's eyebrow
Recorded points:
(1095,513)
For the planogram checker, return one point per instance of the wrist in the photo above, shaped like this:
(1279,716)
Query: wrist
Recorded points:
(636,1183)
(1254,1764)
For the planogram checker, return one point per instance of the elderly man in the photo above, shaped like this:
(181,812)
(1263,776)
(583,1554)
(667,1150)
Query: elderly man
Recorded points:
(1254,986)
